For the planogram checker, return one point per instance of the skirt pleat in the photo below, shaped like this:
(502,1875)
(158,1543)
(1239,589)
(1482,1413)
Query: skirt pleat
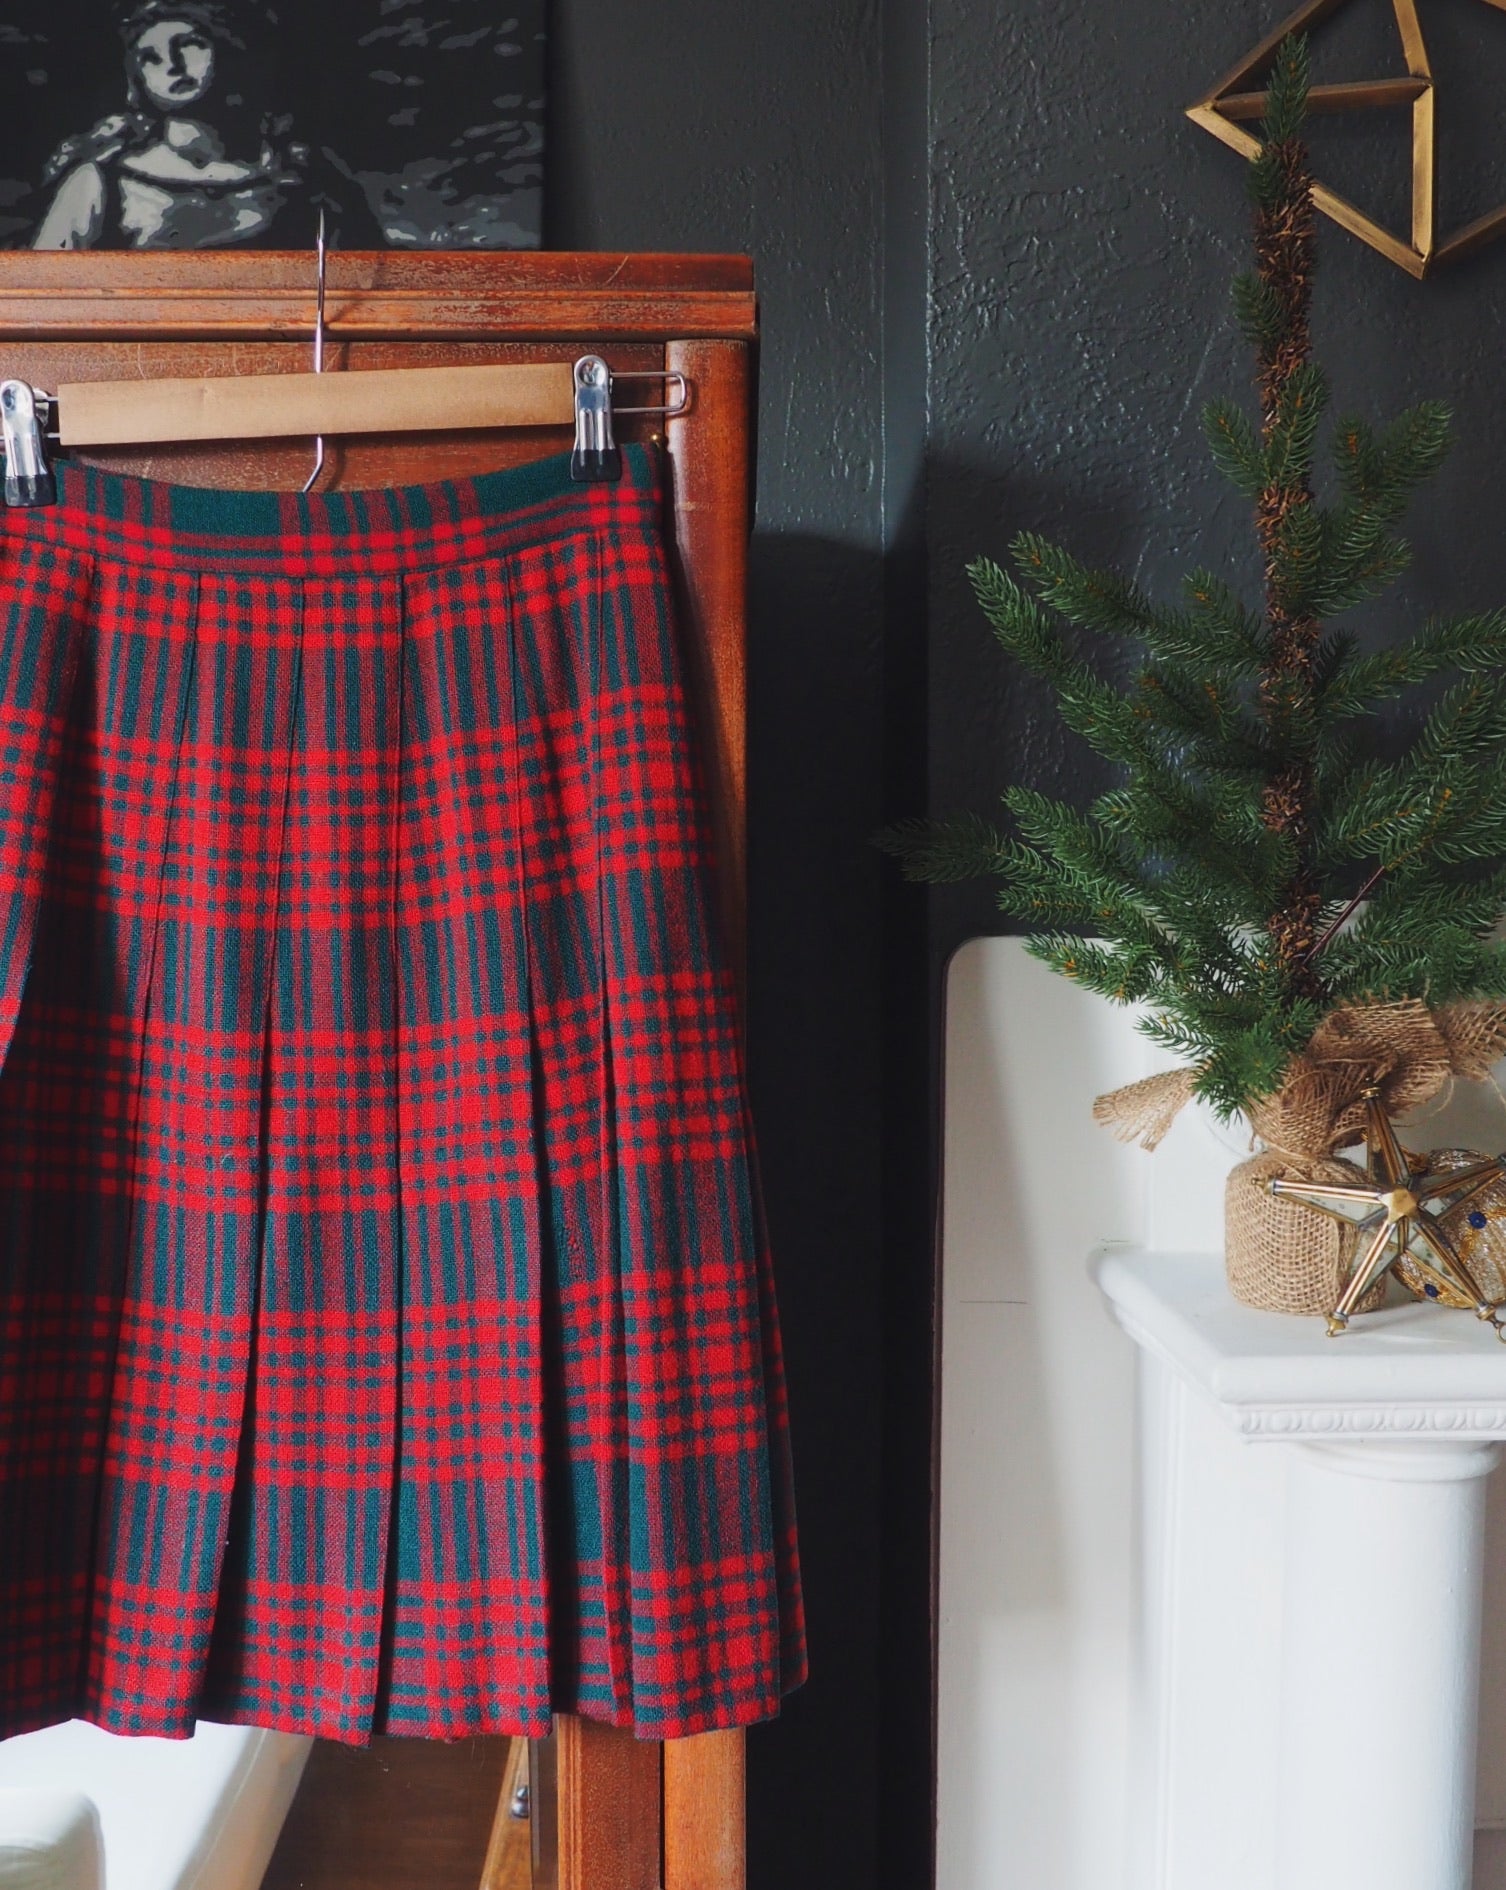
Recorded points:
(703,1586)
(195,1194)
(470,1628)
(58,1311)
(387,1330)
(558,673)
(302,1606)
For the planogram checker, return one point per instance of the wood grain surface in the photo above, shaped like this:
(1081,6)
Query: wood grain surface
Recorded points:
(276,406)
(609,1807)
(704,1819)
(93,294)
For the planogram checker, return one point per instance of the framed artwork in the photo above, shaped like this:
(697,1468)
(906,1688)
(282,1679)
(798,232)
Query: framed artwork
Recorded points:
(204,124)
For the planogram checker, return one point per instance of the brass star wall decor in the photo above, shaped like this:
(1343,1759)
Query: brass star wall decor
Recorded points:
(1392,1214)
(1234,102)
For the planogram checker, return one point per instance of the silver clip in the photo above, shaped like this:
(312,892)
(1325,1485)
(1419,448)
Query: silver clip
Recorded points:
(28,478)
(596,458)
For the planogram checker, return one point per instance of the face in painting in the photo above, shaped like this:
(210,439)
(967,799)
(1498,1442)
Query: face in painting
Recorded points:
(176,64)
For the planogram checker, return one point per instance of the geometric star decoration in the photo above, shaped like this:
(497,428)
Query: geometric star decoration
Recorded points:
(1236,101)
(1393,1216)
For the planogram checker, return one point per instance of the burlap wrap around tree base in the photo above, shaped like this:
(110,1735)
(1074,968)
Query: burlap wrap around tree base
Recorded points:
(1280,1255)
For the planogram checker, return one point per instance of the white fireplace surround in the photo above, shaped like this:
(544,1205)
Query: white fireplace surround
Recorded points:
(1208,1624)
(1261,1722)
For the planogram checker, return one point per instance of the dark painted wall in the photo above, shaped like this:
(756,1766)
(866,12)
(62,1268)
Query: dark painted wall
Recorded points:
(993,260)
(1083,237)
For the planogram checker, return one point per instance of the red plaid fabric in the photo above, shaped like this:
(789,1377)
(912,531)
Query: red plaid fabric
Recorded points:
(387,1339)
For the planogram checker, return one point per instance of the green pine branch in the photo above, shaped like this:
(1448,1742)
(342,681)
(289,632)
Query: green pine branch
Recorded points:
(1363,681)
(1213,884)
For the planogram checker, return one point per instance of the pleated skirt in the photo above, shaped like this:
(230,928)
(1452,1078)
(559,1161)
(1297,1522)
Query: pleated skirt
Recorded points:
(387,1335)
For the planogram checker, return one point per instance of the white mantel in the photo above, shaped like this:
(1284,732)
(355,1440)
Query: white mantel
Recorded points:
(1408,1371)
(1347,1694)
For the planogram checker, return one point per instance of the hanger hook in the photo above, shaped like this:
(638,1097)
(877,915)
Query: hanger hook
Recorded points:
(310,482)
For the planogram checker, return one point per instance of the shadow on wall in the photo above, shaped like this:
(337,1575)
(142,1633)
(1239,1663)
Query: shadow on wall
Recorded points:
(993,724)
(815,901)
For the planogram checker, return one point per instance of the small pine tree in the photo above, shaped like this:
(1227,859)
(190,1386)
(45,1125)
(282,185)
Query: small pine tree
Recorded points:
(1216,884)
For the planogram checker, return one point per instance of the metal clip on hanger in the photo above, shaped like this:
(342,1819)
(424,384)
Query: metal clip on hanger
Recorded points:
(24,413)
(597,457)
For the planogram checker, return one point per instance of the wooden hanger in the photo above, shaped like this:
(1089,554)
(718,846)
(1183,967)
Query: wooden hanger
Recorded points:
(273,406)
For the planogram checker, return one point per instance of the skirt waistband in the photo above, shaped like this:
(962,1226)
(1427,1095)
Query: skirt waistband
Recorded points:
(125,519)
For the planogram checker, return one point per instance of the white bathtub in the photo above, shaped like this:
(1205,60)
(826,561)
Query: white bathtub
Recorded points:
(176,1814)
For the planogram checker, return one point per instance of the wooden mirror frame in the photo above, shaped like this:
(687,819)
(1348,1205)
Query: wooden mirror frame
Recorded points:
(630,1815)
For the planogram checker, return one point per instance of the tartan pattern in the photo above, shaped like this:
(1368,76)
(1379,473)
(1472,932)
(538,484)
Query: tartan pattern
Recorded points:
(387,1334)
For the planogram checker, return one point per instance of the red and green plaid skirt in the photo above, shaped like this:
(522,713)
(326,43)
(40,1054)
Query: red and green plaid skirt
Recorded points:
(387,1340)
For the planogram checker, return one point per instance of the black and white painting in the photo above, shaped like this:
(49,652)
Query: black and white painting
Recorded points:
(199,124)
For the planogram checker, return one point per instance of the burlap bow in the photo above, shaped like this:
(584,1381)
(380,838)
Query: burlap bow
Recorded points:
(1407,1051)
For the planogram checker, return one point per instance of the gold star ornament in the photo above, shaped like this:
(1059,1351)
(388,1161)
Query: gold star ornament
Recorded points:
(1239,100)
(1398,1213)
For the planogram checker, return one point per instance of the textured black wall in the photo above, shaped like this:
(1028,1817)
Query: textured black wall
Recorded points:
(993,260)
(1083,238)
